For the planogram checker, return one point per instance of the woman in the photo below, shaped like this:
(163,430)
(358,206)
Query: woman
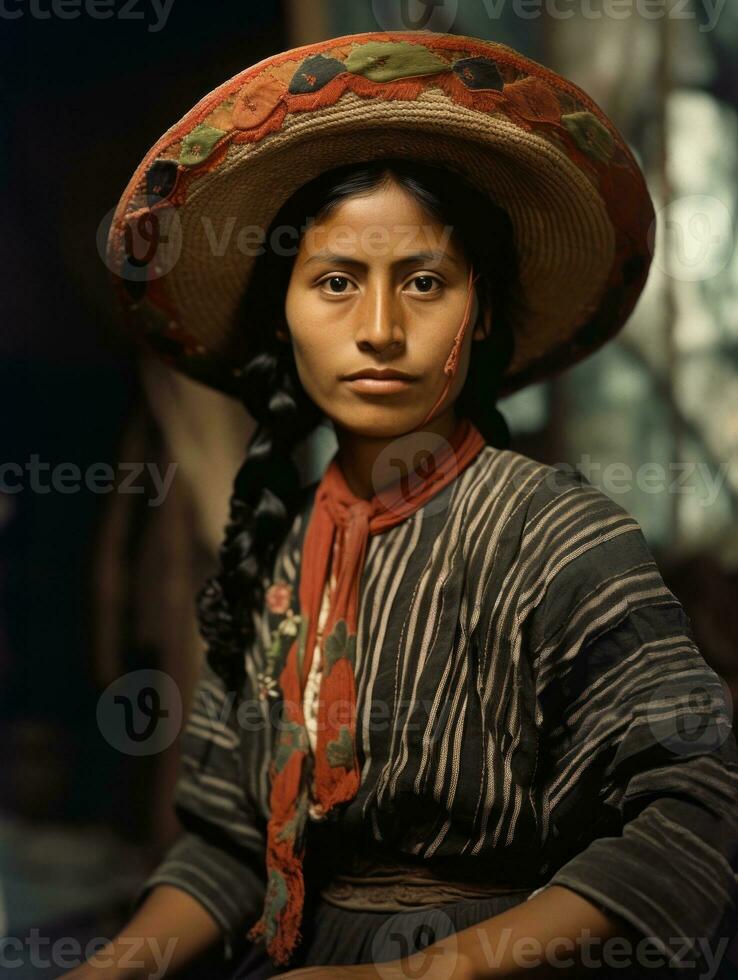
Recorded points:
(448,720)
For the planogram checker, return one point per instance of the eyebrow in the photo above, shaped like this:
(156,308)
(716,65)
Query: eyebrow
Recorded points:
(327,256)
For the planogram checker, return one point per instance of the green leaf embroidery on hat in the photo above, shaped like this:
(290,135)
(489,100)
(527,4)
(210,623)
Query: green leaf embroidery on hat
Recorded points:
(198,145)
(590,135)
(383,61)
(339,644)
(340,751)
(315,72)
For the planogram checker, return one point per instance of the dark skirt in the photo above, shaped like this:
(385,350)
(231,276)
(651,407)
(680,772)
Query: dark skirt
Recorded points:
(333,935)
(336,936)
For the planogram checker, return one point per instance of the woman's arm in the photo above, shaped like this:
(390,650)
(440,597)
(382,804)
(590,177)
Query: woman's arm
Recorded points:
(637,767)
(219,858)
(645,718)
(556,931)
(210,884)
(169,930)
(540,938)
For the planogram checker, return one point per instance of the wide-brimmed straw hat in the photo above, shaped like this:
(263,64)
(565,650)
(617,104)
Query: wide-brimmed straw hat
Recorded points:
(181,244)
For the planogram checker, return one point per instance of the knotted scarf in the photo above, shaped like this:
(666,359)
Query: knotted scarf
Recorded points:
(338,530)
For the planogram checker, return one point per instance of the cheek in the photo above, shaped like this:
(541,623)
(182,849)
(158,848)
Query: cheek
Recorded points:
(314,354)
(310,343)
(303,335)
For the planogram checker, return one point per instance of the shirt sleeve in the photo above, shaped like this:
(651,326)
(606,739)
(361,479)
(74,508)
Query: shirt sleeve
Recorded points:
(219,858)
(636,726)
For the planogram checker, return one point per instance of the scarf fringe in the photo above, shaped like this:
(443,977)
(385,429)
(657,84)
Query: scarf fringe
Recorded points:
(287,935)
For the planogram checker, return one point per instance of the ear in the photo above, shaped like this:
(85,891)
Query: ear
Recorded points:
(482,329)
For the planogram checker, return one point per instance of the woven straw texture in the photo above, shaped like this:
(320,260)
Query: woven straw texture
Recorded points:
(536,144)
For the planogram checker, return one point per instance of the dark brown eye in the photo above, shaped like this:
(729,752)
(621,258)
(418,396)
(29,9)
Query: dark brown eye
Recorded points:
(425,283)
(340,281)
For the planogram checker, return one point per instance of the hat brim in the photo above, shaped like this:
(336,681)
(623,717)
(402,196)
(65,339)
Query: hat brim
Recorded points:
(579,207)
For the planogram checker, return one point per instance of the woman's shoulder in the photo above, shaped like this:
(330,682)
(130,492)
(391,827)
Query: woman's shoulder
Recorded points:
(563,564)
(544,498)
(564,536)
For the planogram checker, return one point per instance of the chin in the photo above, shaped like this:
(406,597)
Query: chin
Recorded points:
(386,424)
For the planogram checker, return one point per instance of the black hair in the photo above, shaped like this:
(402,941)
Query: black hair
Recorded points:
(267,491)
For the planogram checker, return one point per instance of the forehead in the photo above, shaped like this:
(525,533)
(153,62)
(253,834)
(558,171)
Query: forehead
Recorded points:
(386,220)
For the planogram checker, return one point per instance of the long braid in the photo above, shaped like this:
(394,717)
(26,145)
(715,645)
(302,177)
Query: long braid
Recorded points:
(264,501)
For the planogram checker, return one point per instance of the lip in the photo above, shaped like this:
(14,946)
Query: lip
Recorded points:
(373,372)
(378,386)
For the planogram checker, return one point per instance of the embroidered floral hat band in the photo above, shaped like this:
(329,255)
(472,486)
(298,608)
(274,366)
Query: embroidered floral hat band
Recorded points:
(531,140)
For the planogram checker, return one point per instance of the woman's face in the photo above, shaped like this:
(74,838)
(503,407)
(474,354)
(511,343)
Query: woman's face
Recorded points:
(379,283)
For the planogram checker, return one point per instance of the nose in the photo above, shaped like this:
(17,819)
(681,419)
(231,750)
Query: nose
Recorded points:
(380,318)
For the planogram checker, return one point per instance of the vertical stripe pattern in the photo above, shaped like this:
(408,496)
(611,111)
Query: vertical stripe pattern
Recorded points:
(529,694)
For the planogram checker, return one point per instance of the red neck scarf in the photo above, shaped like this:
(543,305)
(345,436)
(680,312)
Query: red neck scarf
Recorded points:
(339,528)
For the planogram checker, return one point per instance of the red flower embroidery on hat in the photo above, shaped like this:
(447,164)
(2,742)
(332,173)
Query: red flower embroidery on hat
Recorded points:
(531,100)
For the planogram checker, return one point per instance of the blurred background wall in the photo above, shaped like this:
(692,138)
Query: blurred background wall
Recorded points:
(98,585)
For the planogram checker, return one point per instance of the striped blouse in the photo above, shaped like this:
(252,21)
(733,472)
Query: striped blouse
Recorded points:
(529,695)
